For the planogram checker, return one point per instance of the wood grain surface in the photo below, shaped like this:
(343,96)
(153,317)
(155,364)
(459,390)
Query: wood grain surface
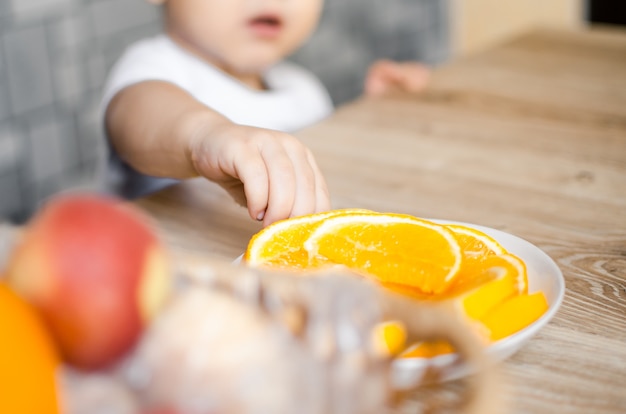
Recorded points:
(528,138)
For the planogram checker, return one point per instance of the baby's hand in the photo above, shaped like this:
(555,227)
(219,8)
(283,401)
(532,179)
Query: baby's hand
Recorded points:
(385,76)
(271,173)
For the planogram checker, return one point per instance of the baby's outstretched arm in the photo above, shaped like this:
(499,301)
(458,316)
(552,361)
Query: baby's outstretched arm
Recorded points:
(161,130)
(386,75)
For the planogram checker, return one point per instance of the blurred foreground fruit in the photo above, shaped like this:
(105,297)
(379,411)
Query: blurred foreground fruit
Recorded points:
(28,359)
(95,270)
(235,340)
(390,337)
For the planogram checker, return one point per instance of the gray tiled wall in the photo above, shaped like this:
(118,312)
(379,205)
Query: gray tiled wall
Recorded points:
(54,56)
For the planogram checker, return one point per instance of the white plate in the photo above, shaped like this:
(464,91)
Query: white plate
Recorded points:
(543,275)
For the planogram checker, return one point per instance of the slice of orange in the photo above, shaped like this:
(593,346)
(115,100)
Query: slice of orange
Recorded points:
(428,349)
(476,247)
(280,245)
(393,248)
(475,243)
(514,314)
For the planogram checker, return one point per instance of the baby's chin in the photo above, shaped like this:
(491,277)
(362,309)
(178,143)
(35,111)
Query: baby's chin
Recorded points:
(259,67)
(256,60)
(251,68)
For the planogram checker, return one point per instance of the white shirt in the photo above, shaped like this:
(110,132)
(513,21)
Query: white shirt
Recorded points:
(294,98)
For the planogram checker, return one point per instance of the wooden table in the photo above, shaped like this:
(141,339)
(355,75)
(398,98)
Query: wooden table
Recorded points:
(528,138)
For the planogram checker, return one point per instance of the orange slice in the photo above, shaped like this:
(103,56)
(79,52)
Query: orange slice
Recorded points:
(280,245)
(474,243)
(428,349)
(393,248)
(476,247)
(514,314)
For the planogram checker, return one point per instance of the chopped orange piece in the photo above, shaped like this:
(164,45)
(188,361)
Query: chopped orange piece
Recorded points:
(390,337)
(393,248)
(514,314)
(428,349)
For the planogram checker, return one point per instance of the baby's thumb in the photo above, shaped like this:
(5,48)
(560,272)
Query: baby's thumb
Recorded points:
(379,77)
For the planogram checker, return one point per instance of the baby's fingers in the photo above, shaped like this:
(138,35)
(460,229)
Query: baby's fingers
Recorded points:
(250,168)
(386,75)
(413,76)
(307,181)
(296,185)
(322,196)
(275,173)
(281,180)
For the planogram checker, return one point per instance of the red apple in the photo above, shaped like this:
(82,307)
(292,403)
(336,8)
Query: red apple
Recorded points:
(95,269)
(160,411)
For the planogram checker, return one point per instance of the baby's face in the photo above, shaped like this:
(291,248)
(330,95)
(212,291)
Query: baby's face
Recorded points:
(242,36)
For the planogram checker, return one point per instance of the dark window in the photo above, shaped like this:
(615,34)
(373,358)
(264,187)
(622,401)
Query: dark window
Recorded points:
(607,11)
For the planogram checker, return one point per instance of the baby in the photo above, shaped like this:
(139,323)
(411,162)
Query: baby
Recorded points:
(213,97)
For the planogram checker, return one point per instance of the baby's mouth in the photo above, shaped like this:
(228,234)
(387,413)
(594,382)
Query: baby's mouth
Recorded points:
(266,25)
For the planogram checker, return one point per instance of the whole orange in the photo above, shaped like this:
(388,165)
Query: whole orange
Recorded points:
(28,359)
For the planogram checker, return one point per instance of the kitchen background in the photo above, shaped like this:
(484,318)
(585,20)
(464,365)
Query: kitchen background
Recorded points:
(55,54)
